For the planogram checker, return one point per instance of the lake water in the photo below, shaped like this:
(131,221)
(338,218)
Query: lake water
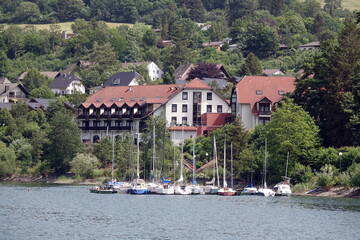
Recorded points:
(39,212)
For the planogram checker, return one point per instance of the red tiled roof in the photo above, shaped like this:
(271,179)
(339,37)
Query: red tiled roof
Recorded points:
(131,95)
(270,87)
(196,84)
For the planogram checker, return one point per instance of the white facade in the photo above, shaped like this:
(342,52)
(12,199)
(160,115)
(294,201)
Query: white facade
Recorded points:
(180,114)
(154,71)
(75,86)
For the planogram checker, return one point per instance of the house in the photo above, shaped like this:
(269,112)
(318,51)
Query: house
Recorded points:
(44,103)
(154,71)
(12,92)
(123,79)
(67,84)
(182,71)
(216,45)
(310,46)
(123,109)
(273,72)
(50,75)
(254,98)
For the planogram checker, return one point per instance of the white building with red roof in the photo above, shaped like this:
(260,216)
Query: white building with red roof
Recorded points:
(122,109)
(255,97)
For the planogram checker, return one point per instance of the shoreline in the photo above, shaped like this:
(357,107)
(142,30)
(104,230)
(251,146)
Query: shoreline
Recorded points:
(333,192)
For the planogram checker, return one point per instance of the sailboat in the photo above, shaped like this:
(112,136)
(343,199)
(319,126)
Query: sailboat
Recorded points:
(283,188)
(225,191)
(195,188)
(210,187)
(181,188)
(139,186)
(250,189)
(111,186)
(152,186)
(264,191)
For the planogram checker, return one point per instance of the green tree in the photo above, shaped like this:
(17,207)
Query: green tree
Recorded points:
(3,64)
(42,92)
(239,9)
(251,66)
(34,79)
(292,130)
(103,151)
(7,160)
(84,165)
(27,12)
(331,6)
(205,70)
(64,141)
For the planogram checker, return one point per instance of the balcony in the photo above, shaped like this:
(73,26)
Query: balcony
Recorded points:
(263,113)
(102,128)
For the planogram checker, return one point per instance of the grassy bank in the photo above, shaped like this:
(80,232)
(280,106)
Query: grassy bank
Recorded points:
(64,26)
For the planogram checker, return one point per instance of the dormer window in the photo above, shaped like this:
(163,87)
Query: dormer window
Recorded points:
(259,92)
(281,92)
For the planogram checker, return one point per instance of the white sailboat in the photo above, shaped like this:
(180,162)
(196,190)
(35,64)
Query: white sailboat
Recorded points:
(210,187)
(139,185)
(264,191)
(153,184)
(180,187)
(283,188)
(195,188)
(250,189)
(225,191)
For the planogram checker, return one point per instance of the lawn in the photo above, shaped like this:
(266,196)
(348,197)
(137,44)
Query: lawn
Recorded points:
(65,26)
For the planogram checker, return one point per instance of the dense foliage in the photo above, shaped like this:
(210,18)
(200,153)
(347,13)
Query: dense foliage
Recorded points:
(313,128)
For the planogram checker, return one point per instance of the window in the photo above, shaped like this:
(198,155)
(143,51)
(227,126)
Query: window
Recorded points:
(184,96)
(259,92)
(174,108)
(209,96)
(264,120)
(264,107)
(184,121)
(173,121)
(281,92)
(208,108)
(219,108)
(184,108)
(108,123)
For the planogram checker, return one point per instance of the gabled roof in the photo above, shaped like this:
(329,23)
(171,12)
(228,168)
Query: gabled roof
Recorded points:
(131,95)
(4,80)
(196,84)
(222,83)
(182,72)
(7,87)
(42,103)
(63,81)
(252,89)
(51,75)
(121,79)
(311,44)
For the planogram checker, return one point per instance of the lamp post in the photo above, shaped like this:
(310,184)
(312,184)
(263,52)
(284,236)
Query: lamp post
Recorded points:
(340,154)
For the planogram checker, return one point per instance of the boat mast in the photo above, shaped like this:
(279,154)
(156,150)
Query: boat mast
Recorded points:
(224,180)
(216,163)
(194,162)
(112,159)
(231,168)
(153,157)
(287,162)
(265,163)
(182,157)
(138,157)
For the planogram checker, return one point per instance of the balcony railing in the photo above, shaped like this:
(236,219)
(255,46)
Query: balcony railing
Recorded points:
(102,128)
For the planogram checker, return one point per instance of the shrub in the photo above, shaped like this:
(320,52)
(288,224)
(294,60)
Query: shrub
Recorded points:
(84,165)
(354,171)
(326,177)
(343,180)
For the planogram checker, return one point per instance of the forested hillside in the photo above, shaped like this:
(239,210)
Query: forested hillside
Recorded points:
(256,34)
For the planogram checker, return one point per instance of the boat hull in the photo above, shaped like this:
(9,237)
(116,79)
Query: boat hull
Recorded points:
(226,192)
(138,191)
(266,192)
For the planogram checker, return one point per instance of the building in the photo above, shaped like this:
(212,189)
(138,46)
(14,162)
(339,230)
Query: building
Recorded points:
(310,46)
(123,79)
(182,71)
(12,92)
(123,109)
(273,72)
(255,97)
(50,75)
(154,71)
(67,84)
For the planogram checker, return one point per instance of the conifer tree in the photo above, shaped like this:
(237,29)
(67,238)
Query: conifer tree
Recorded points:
(251,66)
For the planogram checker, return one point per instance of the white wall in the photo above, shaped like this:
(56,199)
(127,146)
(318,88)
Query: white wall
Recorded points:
(216,100)
(154,71)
